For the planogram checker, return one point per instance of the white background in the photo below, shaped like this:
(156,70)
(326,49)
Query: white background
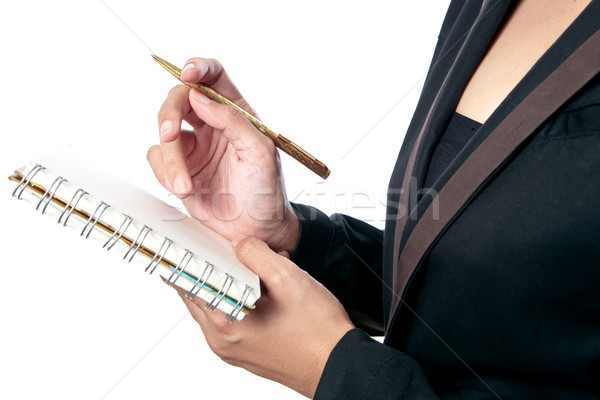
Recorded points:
(339,78)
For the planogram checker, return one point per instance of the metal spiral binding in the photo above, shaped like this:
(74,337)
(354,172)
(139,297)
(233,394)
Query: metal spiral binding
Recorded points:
(119,232)
(208,270)
(158,256)
(101,207)
(183,264)
(240,304)
(73,203)
(221,293)
(135,245)
(26,179)
(137,242)
(50,192)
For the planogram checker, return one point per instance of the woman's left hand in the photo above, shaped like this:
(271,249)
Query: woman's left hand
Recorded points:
(289,336)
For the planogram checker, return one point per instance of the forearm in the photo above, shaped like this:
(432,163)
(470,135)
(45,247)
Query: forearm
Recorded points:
(345,255)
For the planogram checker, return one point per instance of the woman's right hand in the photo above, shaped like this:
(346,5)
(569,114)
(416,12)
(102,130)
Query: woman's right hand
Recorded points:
(226,172)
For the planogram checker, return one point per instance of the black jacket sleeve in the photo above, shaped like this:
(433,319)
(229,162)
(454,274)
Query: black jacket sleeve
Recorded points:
(362,368)
(345,255)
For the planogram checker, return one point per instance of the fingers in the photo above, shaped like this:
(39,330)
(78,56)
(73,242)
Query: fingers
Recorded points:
(209,320)
(170,167)
(285,253)
(159,167)
(243,136)
(176,169)
(155,160)
(173,111)
(194,309)
(211,73)
(273,269)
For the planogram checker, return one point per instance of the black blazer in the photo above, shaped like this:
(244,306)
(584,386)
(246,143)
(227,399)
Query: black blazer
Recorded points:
(505,302)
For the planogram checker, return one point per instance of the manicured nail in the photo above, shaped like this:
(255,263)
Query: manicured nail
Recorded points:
(166,127)
(180,186)
(201,97)
(187,67)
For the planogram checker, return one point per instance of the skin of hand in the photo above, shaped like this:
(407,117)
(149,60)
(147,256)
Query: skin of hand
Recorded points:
(289,336)
(226,172)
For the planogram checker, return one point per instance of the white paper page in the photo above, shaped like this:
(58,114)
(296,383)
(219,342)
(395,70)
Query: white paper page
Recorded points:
(191,246)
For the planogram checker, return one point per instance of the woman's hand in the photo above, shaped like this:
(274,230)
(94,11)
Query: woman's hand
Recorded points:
(226,172)
(292,331)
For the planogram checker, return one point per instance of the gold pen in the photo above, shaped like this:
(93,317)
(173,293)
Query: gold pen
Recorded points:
(280,141)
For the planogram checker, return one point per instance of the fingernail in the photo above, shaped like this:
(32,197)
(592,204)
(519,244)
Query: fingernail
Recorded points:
(201,97)
(166,127)
(237,240)
(180,186)
(187,67)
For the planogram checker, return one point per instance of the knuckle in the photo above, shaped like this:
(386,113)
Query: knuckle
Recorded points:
(215,65)
(165,112)
(218,348)
(232,113)
(222,327)
(174,97)
(266,153)
(215,62)
(150,152)
(303,274)
(225,354)
(178,91)
(248,244)
(173,164)
(281,279)
(225,343)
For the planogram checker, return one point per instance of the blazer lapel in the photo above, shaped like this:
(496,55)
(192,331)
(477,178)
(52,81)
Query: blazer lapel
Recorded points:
(471,46)
(570,63)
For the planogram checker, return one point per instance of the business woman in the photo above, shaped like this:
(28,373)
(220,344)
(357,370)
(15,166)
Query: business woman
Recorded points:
(485,280)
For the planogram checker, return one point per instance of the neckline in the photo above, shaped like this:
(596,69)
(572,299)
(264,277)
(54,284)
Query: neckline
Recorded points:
(470,120)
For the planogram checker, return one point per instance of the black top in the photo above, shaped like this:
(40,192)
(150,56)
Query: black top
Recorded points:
(460,129)
(505,304)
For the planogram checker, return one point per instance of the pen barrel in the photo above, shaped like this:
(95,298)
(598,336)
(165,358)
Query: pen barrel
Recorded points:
(282,143)
(302,156)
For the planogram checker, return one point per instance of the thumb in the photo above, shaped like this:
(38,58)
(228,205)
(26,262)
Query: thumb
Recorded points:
(235,127)
(272,268)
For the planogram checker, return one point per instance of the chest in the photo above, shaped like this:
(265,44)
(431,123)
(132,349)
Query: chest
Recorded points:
(532,27)
(518,273)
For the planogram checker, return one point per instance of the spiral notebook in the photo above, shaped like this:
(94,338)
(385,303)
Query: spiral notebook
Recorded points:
(145,230)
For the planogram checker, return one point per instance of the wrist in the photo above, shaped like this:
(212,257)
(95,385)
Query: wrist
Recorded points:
(321,356)
(292,231)
(286,238)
